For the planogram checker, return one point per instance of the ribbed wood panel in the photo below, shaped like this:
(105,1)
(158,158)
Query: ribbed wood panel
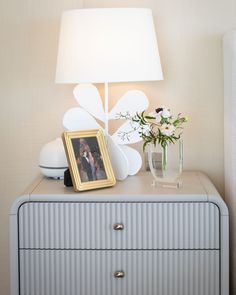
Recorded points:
(83,272)
(146,226)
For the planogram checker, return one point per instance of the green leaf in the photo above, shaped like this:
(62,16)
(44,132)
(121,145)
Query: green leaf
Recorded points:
(150,117)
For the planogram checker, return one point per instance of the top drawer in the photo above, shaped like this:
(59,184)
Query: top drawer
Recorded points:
(55,225)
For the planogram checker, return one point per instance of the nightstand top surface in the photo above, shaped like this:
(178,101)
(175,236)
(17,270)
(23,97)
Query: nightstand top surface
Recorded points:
(196,187)
(140,184)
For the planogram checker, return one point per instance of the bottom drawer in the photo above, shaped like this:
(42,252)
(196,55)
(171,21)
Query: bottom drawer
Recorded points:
(92,272)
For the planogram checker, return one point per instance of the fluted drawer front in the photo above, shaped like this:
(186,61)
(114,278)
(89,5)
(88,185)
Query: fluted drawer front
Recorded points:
(150,272)
(145,226)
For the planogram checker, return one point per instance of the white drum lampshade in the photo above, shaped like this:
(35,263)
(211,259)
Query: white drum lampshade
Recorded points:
(108,45)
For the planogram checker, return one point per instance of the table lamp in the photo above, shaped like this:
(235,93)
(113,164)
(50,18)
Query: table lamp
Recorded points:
(107,45)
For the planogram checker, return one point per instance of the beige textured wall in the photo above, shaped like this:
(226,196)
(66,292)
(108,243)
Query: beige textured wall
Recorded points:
(189,35)
(31,104)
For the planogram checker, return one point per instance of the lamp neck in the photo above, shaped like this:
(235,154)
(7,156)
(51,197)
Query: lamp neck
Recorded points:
(106,108)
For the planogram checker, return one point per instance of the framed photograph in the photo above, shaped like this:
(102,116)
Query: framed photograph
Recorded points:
(88,159)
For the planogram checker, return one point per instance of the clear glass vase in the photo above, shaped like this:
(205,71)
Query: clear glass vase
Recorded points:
(166,163)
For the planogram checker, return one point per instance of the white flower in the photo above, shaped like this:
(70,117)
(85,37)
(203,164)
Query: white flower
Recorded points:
(167,129)
(162,112)
(165,113)
(158,118)
(156,115)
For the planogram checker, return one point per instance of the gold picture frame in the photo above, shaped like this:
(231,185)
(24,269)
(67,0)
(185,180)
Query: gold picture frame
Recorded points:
(88,159)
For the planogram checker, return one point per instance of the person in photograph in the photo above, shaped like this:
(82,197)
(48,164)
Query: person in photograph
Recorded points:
(100,170)
(82,172)
(93,165)
(91,159)
(86,165)
(85,146)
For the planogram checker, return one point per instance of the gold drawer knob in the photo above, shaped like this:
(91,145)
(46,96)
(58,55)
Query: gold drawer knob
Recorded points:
(119,274)
(118,226)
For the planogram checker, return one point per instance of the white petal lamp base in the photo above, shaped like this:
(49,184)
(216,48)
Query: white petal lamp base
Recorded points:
(79,119)
(89,99)
(126,103)
(118,159)
(134,159)
(125,160)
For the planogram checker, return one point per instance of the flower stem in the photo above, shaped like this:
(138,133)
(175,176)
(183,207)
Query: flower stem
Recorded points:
(164,157)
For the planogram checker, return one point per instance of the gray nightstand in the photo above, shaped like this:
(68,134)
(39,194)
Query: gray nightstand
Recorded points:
(132,239)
